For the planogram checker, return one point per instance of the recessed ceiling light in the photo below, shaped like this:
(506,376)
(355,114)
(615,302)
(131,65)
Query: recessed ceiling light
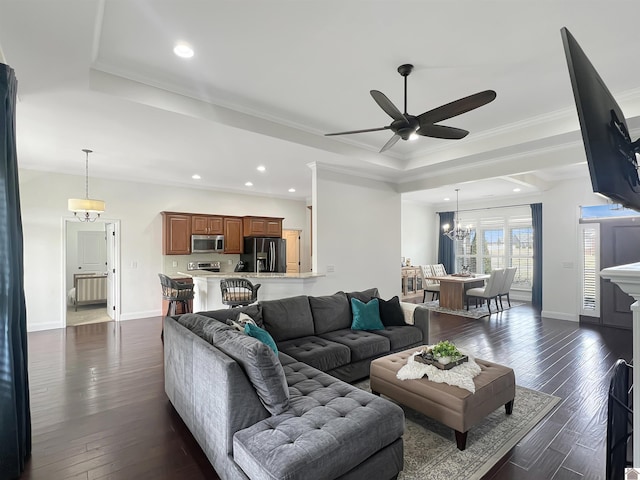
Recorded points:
(516,189)
(248,184)
(446,199)
(292,190)
(196,177)
(183,50)
(261,168)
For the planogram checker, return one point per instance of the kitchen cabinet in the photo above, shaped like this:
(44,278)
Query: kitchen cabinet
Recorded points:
(176,233)
(233,238)
(262,227)
(179,306)
(207,225)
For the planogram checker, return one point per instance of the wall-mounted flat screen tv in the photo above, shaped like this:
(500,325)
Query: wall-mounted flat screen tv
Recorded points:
(611,154)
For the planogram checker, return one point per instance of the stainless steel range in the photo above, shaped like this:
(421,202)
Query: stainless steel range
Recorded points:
(207,266)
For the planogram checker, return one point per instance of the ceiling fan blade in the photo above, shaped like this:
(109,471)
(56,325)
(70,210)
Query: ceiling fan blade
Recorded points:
(392,141)
(357,131)
(456,107)
(441,131)
(386,104)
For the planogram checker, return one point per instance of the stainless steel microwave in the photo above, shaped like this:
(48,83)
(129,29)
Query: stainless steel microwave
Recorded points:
(207,243)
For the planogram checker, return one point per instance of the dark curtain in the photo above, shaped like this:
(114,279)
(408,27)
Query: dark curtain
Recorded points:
(446,253)
(536,288)
(15,414)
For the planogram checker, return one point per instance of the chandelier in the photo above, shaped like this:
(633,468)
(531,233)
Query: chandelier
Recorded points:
(458,232)
(88,209)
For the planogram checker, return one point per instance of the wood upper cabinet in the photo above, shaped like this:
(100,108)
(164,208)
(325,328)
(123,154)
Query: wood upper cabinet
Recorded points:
(176,233)
(207,225)
(262,227)
(233,238)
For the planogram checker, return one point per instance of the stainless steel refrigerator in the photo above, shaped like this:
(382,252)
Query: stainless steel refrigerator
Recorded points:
(263,254)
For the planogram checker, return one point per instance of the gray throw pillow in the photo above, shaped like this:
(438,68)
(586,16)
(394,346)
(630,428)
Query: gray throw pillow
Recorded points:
(260,363)
(254,311)
(364,296)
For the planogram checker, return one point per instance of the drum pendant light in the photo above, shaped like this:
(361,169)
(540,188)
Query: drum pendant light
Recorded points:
(86,209)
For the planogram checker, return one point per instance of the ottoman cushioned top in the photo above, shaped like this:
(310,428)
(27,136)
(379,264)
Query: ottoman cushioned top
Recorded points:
(330,428)
(455,407)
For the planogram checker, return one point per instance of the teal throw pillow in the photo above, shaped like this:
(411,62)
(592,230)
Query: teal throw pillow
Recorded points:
(366,316)
(262,335)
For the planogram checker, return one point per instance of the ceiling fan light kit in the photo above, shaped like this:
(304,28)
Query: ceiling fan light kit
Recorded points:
(405,126)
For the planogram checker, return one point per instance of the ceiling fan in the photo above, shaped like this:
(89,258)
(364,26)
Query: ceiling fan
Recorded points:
(405,125)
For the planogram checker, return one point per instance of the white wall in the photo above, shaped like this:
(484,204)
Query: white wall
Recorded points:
(357,231)
(138,206)
(419,241)
(561,249)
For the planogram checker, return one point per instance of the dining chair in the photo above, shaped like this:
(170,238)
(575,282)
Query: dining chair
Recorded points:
(510,274)
(429,285)
(238,292)
(490,291)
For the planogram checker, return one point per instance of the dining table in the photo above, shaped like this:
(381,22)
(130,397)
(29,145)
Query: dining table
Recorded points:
(453,288)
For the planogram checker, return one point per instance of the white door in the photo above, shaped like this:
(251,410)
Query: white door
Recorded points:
(111,269)
(92,252)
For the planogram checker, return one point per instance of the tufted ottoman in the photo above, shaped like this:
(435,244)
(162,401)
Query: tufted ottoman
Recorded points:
(455,407)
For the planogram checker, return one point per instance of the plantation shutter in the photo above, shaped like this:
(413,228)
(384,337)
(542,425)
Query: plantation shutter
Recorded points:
(590,267)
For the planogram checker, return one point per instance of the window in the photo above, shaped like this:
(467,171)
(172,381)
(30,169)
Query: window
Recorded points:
(499,241)
(589,234)
(606,211)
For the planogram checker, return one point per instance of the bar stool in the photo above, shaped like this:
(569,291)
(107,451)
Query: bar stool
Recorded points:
(175,292)
(238,292)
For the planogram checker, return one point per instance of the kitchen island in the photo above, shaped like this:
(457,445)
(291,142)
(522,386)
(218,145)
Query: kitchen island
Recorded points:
(273,286)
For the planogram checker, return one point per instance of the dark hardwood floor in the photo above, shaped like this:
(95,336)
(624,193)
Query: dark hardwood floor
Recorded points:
(99,408)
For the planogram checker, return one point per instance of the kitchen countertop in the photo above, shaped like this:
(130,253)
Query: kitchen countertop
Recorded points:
(206,274)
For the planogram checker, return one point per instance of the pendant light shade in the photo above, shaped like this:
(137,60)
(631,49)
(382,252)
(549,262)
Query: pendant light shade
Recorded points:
(86,209)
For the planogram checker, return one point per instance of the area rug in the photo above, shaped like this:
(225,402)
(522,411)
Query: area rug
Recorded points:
(473,312)
(430,448)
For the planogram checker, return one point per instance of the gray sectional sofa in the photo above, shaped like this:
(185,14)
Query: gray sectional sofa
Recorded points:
(259,415)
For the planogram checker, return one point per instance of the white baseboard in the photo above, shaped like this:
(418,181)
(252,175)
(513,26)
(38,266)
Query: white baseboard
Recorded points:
(37,327)
(571,317)
(138,315)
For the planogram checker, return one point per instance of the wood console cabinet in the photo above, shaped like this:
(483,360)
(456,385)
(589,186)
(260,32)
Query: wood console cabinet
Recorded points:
(411,281)
(176,233)
(233,238)
(207,225)
(262,227)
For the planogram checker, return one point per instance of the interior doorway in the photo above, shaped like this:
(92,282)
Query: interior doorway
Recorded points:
(91,273)
(292,238)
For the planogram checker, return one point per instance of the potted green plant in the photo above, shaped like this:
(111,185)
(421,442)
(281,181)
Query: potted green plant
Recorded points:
(445,352)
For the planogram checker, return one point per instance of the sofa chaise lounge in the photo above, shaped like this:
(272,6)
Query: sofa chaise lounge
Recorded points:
(259,415)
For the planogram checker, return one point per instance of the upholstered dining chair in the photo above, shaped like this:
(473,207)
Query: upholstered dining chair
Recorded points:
(429,285)
(238,292)
(506,285)
(490,291)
